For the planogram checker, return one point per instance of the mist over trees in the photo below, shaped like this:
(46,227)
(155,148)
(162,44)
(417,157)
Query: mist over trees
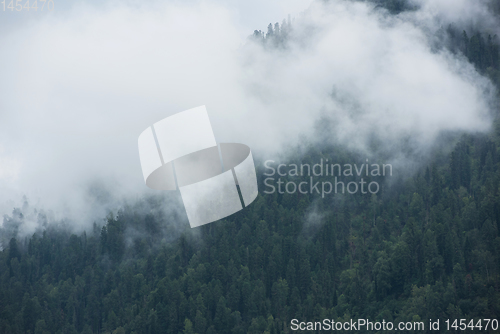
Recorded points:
(276,35)
(424,247)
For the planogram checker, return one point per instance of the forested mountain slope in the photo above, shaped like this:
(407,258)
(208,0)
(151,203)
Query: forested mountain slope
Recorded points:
(424,247)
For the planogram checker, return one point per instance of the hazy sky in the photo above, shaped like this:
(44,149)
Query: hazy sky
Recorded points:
(248,15)
(79,84)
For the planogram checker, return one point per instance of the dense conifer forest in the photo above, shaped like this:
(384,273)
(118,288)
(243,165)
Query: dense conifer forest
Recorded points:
(426,246)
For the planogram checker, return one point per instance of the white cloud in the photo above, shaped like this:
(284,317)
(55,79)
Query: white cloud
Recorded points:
(78,89)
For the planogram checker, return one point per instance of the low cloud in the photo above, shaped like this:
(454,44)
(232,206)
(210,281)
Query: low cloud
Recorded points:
(78,89)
